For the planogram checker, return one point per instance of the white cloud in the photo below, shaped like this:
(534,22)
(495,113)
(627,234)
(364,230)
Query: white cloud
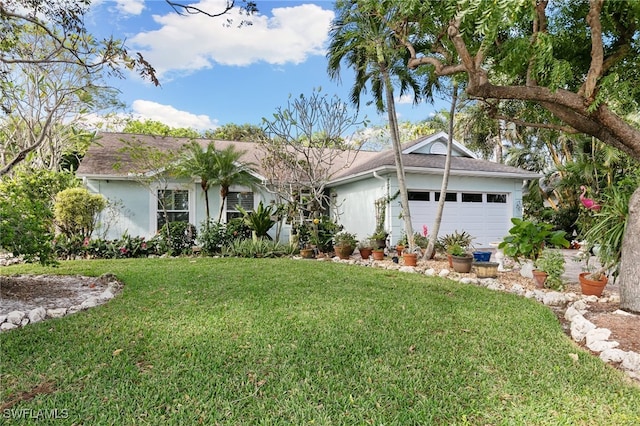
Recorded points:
(171,116)
(130,7)
(189,43)
(405,99)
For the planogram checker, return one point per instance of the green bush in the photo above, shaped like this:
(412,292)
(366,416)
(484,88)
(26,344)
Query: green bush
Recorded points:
(179,237)
(213,237)
(26,216)
(76,212)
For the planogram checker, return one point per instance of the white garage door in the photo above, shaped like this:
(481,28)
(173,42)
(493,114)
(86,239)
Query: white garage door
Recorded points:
(485,216)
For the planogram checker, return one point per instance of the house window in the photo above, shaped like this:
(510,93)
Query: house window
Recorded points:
(471,198)
(451,196)
(242,199)
(419,196)
(173,202)
(497,198)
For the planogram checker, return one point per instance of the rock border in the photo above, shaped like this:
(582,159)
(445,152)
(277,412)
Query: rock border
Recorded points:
(16,319)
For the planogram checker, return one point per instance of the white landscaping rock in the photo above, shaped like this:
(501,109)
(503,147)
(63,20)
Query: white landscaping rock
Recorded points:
(467,280)
(598,334)
(631,362)
(518,289)
(37,314)
(24,321)
(496,286)
(106,295)
(74,309)
(581,305)
(3,318)
(571,312)
(90,303)
(612,355)
(6,326)
(409,269)
(554,298)
(580,326)
(602,345)
(15,317)
(56,312)
(444,273)
(430,272)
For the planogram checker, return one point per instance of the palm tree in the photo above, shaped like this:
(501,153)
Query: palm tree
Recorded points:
(229,171)
(361,37)
(196,161)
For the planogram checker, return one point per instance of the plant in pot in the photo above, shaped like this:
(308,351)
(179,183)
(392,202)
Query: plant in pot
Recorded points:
(549,269)
(379,238)
(460,258)
(377,253)
(446,242)
(605,230)
(401,244)
(365,248)
(527,240)
(344,244)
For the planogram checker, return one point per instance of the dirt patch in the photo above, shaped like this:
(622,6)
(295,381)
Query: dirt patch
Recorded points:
(42,388)
(27,292)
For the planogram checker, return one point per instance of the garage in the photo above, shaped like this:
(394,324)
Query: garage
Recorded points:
(484,215)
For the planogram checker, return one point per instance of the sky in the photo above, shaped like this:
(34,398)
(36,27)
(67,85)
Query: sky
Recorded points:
(213,74)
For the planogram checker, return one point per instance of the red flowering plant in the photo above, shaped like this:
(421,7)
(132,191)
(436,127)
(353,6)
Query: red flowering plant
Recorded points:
(422,240)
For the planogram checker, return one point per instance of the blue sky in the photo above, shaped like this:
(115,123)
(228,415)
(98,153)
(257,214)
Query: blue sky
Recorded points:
(213,74)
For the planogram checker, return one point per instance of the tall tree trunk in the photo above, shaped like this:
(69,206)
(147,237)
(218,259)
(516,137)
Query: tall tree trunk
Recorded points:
(445,177)
(205,187)
(397,151)
(630,263)
(224,191)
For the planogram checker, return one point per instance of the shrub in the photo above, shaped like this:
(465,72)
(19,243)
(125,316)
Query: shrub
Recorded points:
(76,211)
(527,239)
(213,237)
(179,237)
(552,262)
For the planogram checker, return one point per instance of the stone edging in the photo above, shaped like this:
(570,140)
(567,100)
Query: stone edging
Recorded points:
(17,319)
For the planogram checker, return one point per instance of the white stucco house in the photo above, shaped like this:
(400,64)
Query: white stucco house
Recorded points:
(481,199)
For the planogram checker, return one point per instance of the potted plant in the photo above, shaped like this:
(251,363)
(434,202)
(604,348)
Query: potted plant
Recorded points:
(446,242)
(550,267)
(378,253)
(527,239)
(380,238)
(401,244)
(461,260)
(365,247)
(344,243)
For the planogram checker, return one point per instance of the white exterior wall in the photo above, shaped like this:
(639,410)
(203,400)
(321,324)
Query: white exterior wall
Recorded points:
(357,212)
(136,210)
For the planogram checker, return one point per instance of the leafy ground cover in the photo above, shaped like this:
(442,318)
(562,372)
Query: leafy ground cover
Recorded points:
(277,341)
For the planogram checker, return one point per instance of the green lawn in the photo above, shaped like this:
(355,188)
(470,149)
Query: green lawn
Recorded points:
(277,341)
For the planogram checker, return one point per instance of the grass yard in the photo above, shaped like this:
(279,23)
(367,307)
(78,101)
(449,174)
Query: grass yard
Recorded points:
(277,341)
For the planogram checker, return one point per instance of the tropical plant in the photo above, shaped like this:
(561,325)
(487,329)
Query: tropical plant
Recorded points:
(260,220)
(607,228)
(456,249)
(527,239)
(365,244)
(462,239)
(370,47)
(196,161)
(179,237)
(552,262)
(213,236)
(230,171)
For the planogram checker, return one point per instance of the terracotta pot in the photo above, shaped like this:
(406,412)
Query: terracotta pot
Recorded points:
(410,259)
(307,253)
(450,259)
(378,254)
(365,253)
(399,249)
(344,252)
(592,287)
(540,277)
(462,264)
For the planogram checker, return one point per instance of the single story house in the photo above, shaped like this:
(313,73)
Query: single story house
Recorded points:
(482,196)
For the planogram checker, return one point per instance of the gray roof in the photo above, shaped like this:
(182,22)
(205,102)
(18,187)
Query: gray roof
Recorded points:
(106,153)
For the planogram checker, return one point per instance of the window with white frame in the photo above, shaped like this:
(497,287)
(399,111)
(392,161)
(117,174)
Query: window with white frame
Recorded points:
(242,199)
(173,206)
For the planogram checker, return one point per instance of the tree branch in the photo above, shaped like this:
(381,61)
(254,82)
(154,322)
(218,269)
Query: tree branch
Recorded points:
(597,50)
(559,127)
